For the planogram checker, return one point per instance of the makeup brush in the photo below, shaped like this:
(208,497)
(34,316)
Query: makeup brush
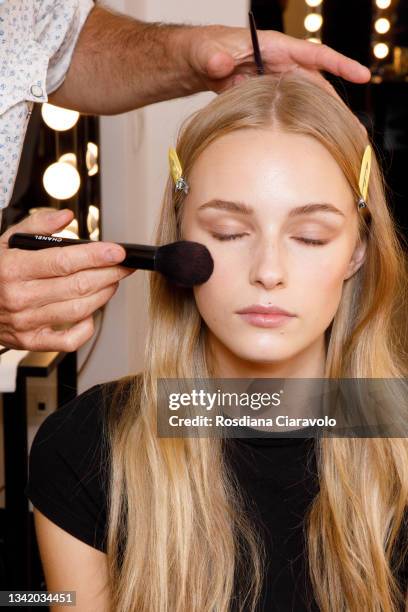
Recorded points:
(184,263)
(255,44)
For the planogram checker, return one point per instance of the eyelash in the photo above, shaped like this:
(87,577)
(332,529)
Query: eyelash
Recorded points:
(308,241)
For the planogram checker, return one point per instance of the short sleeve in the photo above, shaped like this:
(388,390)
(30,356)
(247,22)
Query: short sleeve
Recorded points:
(59,31)
(37,41)
(68,469)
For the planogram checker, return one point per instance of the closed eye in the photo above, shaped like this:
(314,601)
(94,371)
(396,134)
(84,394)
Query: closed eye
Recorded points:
(228,236)
(312,241)
(309,241)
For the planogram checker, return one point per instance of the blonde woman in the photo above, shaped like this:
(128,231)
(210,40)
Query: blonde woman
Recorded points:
(135,522)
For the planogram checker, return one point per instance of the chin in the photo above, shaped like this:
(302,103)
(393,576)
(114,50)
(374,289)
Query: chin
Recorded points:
(262,356)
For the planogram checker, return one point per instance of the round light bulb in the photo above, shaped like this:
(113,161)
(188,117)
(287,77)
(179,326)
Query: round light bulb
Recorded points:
(313,22)
(382,25)
(314,3)
(92,158)
(383,4)
(68,158)
(381,50)
(61,180)
(95,234)
(92,218)
(59,119)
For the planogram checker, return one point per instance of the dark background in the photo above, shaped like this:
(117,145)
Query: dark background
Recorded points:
(382,107)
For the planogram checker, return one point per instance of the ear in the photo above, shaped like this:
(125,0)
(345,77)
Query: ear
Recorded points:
(357,259)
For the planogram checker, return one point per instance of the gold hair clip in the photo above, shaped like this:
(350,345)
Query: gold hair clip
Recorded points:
(177,172)
(364,177)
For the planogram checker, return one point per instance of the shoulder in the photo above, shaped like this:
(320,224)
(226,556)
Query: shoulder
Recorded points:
(78,424)
(69,461)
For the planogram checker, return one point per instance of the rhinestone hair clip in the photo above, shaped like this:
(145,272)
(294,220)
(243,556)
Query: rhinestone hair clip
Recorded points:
(177,172)
(364,177)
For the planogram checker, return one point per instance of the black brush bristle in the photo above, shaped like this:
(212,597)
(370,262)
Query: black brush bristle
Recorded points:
(185,262)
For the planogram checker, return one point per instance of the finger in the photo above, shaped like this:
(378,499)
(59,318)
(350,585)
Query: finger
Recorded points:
(70,311)
(317,78)
(223,84)
(52,290)
(47,339)
(311,55)
(40,222)
(219,64)
(19,264)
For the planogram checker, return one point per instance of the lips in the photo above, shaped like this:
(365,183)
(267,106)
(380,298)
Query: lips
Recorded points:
(259,315)
(265,310)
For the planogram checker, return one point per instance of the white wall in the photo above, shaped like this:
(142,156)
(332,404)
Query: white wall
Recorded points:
(133,173)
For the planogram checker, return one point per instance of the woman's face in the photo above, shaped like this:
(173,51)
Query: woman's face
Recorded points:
(247,203)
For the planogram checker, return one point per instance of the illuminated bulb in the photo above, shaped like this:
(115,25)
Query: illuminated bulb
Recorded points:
(314,40)
(313,22)
(314,3)
(61,180)
(381,50)
(59,119)
(382,25)
(92,158)
(383,4)
(71,231)
(68,158)
(93,218)
(95,234)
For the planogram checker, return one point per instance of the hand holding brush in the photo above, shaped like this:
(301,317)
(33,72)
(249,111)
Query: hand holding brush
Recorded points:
(185,263)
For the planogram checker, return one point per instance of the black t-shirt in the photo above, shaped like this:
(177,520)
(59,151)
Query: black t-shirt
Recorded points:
(68,476)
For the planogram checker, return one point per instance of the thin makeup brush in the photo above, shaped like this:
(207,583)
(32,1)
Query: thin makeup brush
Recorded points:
(184,263)
(255,44)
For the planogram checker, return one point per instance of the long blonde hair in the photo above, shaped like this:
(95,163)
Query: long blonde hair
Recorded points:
(178,532)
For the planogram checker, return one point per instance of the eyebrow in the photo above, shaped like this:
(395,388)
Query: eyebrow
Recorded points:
(245,209)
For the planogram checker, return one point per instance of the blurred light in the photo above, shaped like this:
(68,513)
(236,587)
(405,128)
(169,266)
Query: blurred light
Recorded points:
(92,221)
(70,231)
(92,158)
(313,22)
(95,234)
(61,180)
(383,4)
(68,158)
(381,50)
(313,39)
(382,25)
(57,118)
(314,3)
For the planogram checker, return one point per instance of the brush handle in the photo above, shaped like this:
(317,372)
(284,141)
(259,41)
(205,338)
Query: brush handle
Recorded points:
(140,256)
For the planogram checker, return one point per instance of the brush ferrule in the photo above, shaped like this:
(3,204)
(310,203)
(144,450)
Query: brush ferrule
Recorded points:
(139,256)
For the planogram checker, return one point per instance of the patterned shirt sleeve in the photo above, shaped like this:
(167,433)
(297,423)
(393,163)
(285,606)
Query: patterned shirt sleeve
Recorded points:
(37,40)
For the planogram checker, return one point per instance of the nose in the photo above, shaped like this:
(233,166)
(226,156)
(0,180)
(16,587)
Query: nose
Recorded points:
(267,267)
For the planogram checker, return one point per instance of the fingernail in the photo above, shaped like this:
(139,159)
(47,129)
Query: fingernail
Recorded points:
(114,255)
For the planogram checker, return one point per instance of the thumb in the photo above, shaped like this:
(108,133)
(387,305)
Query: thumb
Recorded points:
(40,222)
(218,64)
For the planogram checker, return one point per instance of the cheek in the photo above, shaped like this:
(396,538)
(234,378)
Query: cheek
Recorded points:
(212,298)
(322,283)
(223,283)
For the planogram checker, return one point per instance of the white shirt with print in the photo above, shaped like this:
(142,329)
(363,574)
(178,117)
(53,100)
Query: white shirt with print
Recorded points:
(37,40)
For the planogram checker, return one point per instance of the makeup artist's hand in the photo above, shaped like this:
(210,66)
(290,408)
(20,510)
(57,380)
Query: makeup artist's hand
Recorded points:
(53,287)
(146,63)
(223,56)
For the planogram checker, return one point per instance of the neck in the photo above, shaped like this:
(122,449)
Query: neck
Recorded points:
(300,396)
(310,363)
